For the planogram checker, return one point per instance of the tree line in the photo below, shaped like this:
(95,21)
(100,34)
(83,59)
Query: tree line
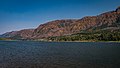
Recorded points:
(93,36)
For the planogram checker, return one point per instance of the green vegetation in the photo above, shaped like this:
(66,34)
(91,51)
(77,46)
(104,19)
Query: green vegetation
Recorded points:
(90,36)
(5,39)
(102,35)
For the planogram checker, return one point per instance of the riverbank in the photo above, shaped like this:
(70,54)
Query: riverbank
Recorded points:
(61,41)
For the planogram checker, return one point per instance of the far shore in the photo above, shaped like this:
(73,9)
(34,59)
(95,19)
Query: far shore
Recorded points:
(61,41)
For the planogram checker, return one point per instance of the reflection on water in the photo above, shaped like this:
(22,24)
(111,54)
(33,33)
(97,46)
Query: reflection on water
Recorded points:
(24,54)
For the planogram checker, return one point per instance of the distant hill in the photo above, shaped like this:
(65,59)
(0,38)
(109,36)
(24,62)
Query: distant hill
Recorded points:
(108,21)
(22,34)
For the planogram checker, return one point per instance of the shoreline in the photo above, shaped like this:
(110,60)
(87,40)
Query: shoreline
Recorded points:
(60,41)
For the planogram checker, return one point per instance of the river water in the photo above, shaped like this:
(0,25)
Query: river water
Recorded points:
(28,54)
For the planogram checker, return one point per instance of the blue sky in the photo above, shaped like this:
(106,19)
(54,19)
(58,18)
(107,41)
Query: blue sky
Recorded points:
(24,14)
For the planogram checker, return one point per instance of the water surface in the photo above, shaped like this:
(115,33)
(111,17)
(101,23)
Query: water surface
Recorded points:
(27,54)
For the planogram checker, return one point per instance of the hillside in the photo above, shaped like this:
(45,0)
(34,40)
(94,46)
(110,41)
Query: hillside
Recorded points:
(108,21)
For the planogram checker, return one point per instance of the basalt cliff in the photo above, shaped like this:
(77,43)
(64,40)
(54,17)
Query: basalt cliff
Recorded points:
(105,21)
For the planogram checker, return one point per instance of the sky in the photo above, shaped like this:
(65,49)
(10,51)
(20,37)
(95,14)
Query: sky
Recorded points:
(29,14)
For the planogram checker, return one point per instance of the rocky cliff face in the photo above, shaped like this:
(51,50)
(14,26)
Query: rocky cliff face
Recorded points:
(53,28)
(89,23)
(109,20)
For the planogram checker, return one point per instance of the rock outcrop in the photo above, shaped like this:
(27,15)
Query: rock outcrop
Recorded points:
(106,20)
